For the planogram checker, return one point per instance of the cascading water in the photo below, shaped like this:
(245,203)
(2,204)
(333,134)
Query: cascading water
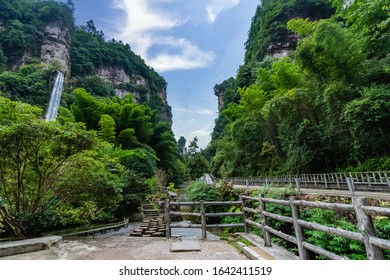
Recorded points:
(55,98)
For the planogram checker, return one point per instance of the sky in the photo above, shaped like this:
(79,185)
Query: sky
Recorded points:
(193,44)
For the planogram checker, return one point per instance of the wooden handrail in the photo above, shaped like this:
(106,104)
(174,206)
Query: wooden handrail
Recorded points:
(367,235)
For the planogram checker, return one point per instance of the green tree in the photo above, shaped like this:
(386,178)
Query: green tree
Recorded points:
(33,155)
(182,144)
(197,164)
(107,129)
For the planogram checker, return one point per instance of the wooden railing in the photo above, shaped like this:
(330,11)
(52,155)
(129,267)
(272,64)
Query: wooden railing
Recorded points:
(351,181)
(202,214)
(374,246)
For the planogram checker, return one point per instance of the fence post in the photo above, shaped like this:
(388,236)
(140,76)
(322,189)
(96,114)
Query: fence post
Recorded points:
(203,220)
(267,183)
(303,254)
(264,222)
(351,185)
(243,205)
(366,227)
(168,232)
(298,184)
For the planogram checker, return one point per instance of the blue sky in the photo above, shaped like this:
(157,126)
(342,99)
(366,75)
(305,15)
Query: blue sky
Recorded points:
(193,44)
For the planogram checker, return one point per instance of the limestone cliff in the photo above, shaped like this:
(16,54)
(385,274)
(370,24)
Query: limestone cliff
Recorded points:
(55,47)
(124,83)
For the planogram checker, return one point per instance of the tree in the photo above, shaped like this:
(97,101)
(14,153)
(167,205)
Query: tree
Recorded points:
(32,157)
(197,164)
(182,144)
(107,129)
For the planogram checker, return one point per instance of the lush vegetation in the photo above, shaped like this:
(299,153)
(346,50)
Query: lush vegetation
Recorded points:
(323,107)
(352,249)
(104,155)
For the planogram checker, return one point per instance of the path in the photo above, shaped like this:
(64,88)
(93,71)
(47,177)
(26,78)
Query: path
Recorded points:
(119,245)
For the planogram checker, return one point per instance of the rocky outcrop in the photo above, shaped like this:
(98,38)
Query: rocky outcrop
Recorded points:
(55,47)
(219,94)
(279,50)
(118,77)
(122,81)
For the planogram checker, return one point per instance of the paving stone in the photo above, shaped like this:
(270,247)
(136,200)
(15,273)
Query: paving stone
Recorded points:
(186,245)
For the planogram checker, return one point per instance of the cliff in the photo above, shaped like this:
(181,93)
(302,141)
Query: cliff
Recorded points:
(45,32)
(55,47)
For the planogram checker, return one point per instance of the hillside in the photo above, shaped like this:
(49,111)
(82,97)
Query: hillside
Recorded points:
(312,94)
(111,146)
(44,31)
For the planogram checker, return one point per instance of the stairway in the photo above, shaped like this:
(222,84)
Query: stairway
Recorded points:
(153,225)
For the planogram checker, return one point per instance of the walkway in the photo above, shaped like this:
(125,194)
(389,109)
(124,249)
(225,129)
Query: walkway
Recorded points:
(119,245)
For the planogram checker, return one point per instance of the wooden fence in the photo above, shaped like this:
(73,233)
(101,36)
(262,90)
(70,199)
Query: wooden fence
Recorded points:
(350,181)
(374,246)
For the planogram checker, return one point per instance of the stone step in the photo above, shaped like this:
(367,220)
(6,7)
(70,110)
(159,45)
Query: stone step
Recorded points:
(148,207)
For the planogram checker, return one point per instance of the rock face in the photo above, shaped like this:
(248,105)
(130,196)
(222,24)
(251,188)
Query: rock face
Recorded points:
(219,94)
(279,50)
(55,47)
(118,78)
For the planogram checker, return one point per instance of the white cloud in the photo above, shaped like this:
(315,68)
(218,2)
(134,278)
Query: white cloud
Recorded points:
(146,26)
(217,6)
(187,56)
(203,135)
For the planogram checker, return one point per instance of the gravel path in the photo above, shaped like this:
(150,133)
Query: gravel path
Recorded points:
(146,248)
(118,245)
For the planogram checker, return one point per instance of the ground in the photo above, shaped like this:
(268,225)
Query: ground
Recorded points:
(118,245)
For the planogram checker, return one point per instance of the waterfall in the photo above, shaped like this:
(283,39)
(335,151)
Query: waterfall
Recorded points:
(55,98)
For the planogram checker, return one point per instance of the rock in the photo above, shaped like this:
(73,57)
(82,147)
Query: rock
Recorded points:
(55,47)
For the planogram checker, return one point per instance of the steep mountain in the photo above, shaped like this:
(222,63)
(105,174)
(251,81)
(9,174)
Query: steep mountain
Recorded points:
(111,146)
(304,98)
(44,31)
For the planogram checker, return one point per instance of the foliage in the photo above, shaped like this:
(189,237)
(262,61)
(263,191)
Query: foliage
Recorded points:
(30,84)
(196,163)
(98,161)
(336,244)
(202,191)
(33,155)
(322,107)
